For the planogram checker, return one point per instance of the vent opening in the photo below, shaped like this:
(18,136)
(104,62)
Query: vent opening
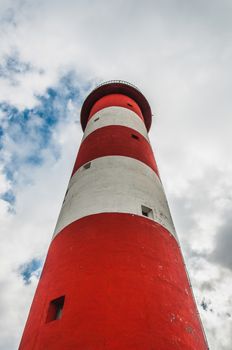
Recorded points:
(129,104)
(55,309)
(95,120)
(146,211)
(87,165)
(134,136)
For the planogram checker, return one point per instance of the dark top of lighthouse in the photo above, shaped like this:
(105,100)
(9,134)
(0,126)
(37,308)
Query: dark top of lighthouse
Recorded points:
(116,87)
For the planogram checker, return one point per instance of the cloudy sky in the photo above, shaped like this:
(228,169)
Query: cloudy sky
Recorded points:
(179,53)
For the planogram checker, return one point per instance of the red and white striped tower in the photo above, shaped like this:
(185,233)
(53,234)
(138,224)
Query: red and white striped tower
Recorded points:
(114,277)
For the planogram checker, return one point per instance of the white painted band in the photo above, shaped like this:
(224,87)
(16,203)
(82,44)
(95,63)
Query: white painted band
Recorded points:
(115,116)
(115,184)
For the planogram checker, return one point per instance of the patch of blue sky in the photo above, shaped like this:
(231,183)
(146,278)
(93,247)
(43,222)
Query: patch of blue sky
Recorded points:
(34,159)
(31,128)
(12,67)
(1,135)
(29,269)
(8,196)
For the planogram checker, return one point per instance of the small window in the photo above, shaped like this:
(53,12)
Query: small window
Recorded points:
(134,136)
(95,120)
(87,165)
(146,211)
(129,104)
(55,309)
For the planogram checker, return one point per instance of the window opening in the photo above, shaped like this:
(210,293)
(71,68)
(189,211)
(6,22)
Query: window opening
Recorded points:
(87,165)
(95,120)
(55,309)
(134,136)
(146,211)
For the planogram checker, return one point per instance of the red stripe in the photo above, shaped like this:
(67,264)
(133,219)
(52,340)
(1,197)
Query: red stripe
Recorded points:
(125,287)
(116,100)
(115,140)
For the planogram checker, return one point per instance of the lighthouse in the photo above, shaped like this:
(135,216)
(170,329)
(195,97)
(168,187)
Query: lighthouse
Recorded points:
(114,277)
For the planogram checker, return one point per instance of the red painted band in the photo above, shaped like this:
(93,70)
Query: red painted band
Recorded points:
(125,288)
(116,88)
(115,140)
(118,100)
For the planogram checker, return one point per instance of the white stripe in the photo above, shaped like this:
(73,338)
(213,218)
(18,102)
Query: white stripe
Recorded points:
(114,184)
(115,116)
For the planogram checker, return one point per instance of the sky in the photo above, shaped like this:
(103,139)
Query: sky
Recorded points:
(179,54)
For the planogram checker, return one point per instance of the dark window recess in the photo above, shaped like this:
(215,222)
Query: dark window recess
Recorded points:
(95,120)
(147,212)
(130,105)
(55,309)
(134,136)
(87,165)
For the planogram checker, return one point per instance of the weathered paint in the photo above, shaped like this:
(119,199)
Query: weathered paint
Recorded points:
(115,116)
(114,184)
(125,288)
(121,275)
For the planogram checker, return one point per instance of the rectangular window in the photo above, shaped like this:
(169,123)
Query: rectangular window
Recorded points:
(55,309)
(87,165)
(146,211)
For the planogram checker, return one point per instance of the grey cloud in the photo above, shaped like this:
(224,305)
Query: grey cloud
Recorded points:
(202,196)
(222,253)
(208,286)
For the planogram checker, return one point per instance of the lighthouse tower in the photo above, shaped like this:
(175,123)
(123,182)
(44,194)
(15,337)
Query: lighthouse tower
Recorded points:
(114,277)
